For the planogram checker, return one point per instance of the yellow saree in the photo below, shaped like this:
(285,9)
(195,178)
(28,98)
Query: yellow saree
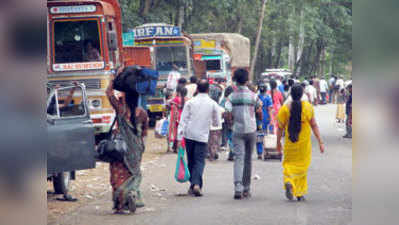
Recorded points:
(297,156)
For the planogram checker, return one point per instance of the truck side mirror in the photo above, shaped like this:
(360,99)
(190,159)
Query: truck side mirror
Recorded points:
(112,40)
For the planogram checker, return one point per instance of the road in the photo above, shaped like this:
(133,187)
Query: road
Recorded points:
(329,200)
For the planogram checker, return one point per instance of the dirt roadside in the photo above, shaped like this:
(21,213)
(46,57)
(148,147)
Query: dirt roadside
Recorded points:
(92,184)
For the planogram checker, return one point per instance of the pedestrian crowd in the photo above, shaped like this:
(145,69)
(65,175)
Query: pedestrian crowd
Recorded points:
(207,116)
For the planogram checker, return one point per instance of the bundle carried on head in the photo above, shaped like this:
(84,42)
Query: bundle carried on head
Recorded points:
(134,79)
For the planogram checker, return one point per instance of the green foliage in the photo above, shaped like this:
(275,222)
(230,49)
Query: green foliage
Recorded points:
(325,25)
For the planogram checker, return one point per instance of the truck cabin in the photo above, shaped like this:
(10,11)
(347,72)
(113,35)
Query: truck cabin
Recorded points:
(170,48)
(83,36)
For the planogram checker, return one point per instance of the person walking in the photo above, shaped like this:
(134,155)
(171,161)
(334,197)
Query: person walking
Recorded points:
(323,91)
(278,100)
(176,107)
(341,98)
(198,115)
(126,176)
(331,84)
(349,113)
(227,126)
(242,106)
(297,119)
(263,125)
(192,87)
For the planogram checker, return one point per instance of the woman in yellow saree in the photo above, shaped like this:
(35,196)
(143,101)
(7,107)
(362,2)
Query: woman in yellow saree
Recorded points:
(297,120)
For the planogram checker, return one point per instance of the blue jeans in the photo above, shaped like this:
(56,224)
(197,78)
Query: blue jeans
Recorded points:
(196,152)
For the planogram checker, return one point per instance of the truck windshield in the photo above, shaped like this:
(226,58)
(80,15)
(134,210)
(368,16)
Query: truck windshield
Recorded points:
(166,57)
(213,65)
(76,41)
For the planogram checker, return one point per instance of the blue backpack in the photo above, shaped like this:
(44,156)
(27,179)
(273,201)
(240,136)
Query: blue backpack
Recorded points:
(147,81)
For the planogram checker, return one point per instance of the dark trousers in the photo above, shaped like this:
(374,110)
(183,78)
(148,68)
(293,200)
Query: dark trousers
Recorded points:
(196,152)
(323,97)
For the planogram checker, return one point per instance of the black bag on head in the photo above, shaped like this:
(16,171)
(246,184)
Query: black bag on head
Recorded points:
(127,79)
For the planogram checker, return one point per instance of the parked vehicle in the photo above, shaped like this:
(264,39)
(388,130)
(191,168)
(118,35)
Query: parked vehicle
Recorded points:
(85,44)
(218,55)
(70,134)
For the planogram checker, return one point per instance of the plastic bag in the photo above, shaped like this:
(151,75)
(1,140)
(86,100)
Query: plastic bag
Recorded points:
(164,128)
(182,174)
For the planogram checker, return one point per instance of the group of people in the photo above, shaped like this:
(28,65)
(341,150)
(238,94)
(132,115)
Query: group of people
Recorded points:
(207,114)
(239,112)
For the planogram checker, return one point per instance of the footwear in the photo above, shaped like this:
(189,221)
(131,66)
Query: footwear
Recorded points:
(288,191)
(231,157)
(131,202)
(237,195)
(139,200)
(190,192)
(246,194)
(347,136)
(300,198)
(260,157)
(197,191)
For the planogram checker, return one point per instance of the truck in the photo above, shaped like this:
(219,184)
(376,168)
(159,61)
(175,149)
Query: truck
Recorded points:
(218,55)
(160,46)
(84,44)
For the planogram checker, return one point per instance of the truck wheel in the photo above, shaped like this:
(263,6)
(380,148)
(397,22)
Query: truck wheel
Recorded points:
(152,122)
(61,182)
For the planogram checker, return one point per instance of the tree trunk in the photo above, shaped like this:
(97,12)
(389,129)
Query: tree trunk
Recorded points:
(322,62)
(181,16)
(278,54)
(258,34)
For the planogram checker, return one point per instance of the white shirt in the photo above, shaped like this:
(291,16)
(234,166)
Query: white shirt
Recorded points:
(331,81)
(289,99)
(191,88)
(173,77)
(219,126)
(198,115)
(311,91)
(323,86)
(340,82)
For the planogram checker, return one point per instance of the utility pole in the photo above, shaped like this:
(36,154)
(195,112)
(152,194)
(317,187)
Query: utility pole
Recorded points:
(258,34)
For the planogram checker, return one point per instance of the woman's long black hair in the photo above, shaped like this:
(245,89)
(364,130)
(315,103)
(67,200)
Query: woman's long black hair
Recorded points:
(294,125)
(273,86)
(182,91)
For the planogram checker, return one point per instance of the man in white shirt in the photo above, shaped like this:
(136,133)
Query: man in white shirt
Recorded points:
(323,90)
(173,78)
(198,115)
(192,87)
(340,83)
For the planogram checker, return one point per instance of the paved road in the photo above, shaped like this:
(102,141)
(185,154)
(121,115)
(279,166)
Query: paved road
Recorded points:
(329,200)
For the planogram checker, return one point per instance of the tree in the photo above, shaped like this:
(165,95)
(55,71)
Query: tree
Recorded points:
(258,33)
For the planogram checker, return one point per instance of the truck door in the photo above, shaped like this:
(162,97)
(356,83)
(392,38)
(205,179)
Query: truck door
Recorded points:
(70,131)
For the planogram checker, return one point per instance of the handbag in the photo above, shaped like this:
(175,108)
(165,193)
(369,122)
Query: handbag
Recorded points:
(270,140)
(112,149)
(182,174)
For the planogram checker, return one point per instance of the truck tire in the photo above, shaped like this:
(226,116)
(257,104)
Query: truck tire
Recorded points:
(61,182)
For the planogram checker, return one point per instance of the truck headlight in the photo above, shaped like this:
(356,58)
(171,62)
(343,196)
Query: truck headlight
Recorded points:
(95,103)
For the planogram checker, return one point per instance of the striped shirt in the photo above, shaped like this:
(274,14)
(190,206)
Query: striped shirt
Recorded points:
(243,103)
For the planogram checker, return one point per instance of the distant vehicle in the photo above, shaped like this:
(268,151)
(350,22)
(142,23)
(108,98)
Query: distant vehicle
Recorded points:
(275,73)
(70,134)
(161,47)
(218,55)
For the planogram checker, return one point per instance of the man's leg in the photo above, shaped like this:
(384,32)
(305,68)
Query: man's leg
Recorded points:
(238,148)
(190,158)
(323,97)
(199,165)
(250,140)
